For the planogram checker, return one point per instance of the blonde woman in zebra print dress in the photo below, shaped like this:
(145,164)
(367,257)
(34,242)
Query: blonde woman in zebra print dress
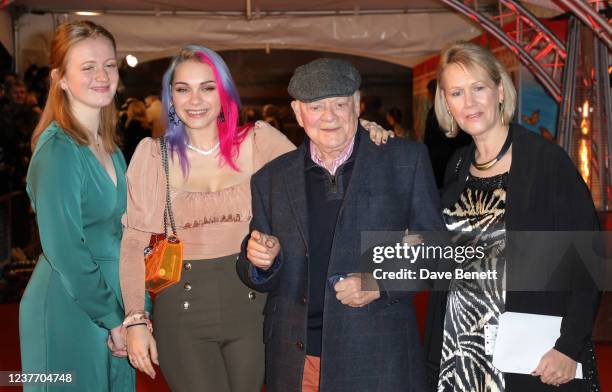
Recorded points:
(488,194)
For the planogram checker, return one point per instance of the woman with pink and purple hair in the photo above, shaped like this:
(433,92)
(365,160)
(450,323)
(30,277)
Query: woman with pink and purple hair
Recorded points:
(208,328)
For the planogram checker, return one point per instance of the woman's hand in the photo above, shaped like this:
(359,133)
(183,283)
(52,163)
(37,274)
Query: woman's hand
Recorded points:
(378,134)
(142,349)
(555,368)
(116,341)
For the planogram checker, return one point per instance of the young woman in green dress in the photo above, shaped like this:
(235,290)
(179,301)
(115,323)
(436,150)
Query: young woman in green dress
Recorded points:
(72,310)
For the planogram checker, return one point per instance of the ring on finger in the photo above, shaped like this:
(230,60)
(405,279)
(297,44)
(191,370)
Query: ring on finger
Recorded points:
(270,243)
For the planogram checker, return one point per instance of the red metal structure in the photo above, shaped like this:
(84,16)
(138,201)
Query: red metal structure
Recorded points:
(573,71)
(588,13)
(535,46)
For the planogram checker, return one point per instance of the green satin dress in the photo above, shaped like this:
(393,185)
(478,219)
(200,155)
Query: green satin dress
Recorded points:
(73,298)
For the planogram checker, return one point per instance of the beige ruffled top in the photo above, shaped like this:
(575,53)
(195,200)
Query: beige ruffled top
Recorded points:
(210,224)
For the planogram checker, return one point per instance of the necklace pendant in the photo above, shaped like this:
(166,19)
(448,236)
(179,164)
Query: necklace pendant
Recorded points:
(485,165)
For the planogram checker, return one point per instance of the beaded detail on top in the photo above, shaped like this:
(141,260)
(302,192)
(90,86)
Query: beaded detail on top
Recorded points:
(197,209)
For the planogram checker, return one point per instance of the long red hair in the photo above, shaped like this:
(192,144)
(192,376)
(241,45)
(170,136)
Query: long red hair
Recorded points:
(57,107)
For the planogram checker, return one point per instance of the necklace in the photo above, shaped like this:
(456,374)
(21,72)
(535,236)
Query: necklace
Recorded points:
(203,152)
(489,164)
(96,143)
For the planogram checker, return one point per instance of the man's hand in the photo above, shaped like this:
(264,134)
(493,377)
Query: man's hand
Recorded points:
(378,134)
(348,291)
(412,239)
(555,368)
(262,249)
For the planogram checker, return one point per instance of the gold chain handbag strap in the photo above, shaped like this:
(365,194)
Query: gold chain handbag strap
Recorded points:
(168,209)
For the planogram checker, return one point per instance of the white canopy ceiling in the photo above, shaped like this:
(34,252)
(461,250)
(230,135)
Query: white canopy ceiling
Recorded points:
(399,31)
(234,5)
(255,5)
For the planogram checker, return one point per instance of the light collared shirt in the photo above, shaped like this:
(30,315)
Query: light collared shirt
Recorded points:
(336,163)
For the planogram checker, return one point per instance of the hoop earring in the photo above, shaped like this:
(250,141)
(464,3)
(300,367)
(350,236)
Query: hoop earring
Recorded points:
(501,113)
(173,118)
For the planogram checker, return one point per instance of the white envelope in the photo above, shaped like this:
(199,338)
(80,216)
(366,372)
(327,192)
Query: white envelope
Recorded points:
(522,340)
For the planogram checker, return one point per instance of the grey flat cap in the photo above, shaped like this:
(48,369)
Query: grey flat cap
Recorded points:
(324,78)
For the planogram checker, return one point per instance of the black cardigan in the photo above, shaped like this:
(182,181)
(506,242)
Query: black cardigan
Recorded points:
(545,192)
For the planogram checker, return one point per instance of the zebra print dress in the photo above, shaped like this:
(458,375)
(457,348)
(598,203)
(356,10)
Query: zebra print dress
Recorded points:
(476,219)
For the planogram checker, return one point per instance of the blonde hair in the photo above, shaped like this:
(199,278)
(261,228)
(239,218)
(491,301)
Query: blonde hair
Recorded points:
(137,110)
(470,57)
(57,107)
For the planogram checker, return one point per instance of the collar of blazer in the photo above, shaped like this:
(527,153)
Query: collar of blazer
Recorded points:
(295,183)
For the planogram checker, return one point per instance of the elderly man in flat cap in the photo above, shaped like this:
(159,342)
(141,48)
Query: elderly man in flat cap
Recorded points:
(310,206)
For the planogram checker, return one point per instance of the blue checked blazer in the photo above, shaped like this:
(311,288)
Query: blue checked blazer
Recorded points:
(373,348)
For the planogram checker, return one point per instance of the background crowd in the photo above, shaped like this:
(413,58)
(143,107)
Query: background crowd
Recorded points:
(21,100)
(21,103)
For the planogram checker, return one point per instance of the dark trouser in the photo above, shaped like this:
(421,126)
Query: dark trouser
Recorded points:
(208,330)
